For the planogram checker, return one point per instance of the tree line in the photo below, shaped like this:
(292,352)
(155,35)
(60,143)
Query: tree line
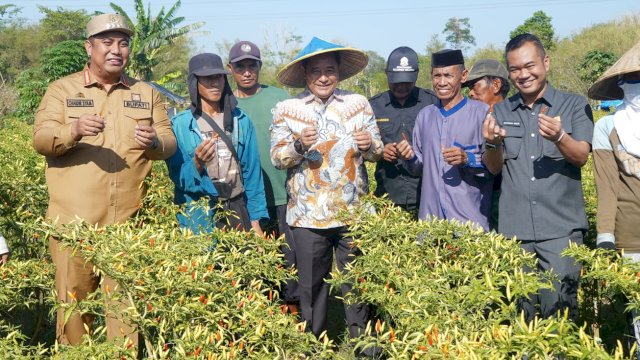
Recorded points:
(33,55)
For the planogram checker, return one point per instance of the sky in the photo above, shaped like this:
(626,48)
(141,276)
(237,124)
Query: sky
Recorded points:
(374,25)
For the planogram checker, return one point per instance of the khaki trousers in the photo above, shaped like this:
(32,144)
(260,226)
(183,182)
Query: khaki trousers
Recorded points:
(75,278)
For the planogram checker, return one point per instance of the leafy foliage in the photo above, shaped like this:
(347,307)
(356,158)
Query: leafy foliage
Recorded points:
(539,24)
(62,25)
(8,13)
(8,100)
(565,72)
(64,58)
(151,35)
(449,290)
(594,64)
(31,86)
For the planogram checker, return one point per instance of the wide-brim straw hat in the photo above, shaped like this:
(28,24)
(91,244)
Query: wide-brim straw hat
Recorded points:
(606,87)
(352,61)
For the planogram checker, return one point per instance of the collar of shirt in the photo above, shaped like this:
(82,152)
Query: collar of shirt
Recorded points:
(547,98)
(453,110)
(308,97)
(413,99)
(89,81)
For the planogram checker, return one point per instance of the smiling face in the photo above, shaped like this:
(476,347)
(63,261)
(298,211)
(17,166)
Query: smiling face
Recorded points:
(210,88)
(321,75)
(447,83)
(109,55)
(528,69)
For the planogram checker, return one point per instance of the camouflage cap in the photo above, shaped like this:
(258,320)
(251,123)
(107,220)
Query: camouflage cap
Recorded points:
(108,22)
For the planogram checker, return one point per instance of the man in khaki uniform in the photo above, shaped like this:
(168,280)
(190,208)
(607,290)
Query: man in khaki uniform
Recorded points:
(99,130)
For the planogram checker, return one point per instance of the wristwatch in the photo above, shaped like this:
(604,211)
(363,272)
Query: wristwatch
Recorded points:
(297,145)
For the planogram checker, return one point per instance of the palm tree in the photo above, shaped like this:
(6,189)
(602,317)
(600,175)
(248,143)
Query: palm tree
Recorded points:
(152,34)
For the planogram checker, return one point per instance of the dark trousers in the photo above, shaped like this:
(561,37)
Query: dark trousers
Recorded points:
(279,213)
(238,217)
(564,295)
(314,256)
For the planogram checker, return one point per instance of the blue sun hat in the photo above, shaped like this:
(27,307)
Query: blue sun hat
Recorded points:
(352,61)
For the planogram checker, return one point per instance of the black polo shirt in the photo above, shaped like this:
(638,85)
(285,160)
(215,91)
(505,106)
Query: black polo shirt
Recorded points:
(393,120)
(541,192)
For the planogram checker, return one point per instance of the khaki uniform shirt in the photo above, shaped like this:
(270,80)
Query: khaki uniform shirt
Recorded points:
(99,178)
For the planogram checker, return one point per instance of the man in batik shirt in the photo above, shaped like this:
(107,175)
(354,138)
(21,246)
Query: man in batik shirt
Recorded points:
(323,136)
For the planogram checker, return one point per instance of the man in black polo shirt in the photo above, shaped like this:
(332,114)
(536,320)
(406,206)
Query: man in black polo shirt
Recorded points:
(396,111)
(539,139)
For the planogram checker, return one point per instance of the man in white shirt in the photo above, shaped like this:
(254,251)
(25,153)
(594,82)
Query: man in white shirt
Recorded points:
(4,250)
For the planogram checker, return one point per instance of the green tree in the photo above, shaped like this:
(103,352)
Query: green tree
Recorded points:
(8,14)
(152,35)
(63,59)
(19,43)
(171,71)
(60,24)
(539,24)
(594,64)
(435,44)
(20,48)
(60,60)
(280,46)
(458,33)
(373,79)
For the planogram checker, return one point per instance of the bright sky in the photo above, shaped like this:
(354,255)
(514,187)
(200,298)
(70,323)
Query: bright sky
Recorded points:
(366,24)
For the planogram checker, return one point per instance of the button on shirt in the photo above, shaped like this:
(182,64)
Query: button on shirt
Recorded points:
(99,178)
(319,190)
(393,120)
(541,191)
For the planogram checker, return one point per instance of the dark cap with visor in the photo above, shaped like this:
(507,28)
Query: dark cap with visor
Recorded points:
(206,64)
(402,66)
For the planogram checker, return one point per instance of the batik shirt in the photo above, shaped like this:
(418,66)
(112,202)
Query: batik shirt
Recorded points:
(331,175)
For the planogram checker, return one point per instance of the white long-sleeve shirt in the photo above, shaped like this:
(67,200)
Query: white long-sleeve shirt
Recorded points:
(3,245)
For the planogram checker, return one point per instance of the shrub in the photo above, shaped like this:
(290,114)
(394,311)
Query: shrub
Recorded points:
(8,100)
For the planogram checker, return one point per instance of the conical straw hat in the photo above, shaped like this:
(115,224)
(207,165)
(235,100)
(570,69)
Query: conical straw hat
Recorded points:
(606,87)
(352,61)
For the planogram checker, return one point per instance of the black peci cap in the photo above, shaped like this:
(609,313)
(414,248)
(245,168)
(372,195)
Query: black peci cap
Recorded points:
(446,57)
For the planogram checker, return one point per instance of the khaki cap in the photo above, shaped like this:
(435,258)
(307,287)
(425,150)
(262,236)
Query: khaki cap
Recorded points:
(108,22)
(486,67)
(606,87)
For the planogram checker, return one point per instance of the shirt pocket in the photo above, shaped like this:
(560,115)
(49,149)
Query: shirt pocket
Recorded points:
(74,114)
(549,148)
(133,119)
(512,141)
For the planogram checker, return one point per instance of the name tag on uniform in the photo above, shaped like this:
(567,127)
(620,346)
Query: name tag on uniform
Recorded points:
(136,104)
(511,123)
(383,120)
(79,103)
